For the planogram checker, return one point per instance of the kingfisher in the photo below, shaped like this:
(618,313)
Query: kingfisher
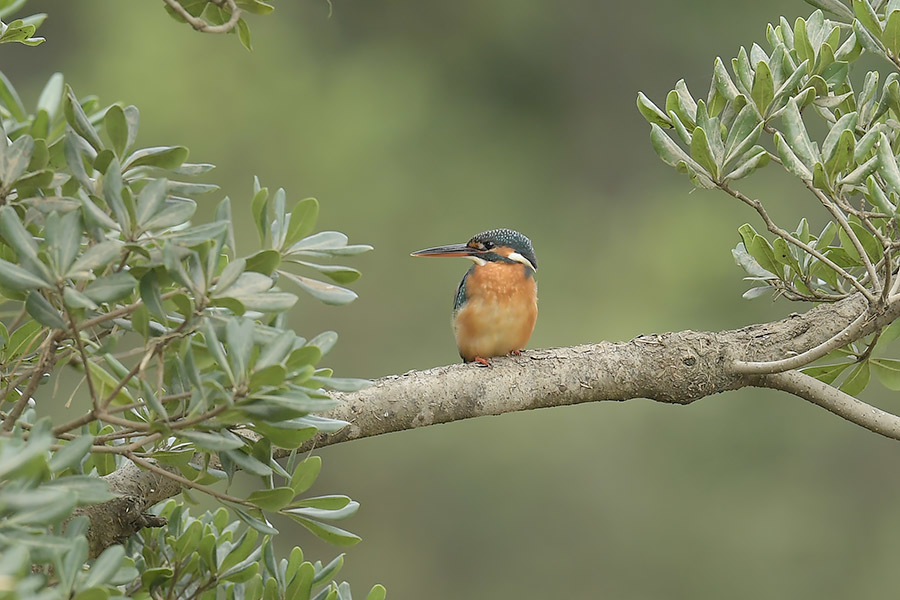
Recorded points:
(495,307)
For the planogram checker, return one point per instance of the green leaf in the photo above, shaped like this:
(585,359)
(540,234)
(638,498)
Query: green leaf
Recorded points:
(75,299)
(248,463)
(789,160)
(79,121)
(272,500)
(116,126)
(377,592)
(761,250)
(796,136)
(284,434)
(334,502)
(244,34)
(743,134)
(275,351)
(876,196)
(199,234)
(325,341)
(305,474)
(22,242)
(846,123)
(211,440)
(230,274)
(826,373)
(150,199)
(105,566)
(682,103)
(239,335)
(329,533)
(111,287)
(755,158)
(857,380)
(888,164)
(42,311)
(303,219)
(651,112)
(113,195)
(887,371)
(722,80)
(258,523)
(175,211)
(63,239)
(860,173)
(264,261)
(215,348)
(273,375)
(327,514)
(16,278)
(801,42)
(162,157)
(150,294)
(867,17)
(702,152)
(95,258)
(325,292)
(842,156)
(51,96)
(14,160)
(835,7)
(10,99)
(71,454)
(259,208)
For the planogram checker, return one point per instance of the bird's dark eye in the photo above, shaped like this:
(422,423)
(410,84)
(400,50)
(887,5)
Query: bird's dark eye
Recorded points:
(488,245)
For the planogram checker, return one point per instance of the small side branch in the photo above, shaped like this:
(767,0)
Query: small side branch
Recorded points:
(786,236)
(835,401)
(844,337)
(201,25)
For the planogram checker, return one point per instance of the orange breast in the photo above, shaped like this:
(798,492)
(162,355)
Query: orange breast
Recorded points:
(499,314)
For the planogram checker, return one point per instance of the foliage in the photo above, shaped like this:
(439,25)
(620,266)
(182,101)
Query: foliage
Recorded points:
(181,358)
(757,113)
(19,30)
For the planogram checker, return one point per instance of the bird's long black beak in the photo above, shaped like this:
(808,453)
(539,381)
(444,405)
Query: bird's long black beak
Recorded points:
(451,250)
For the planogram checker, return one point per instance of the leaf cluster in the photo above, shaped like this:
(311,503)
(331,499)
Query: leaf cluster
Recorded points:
(763,107)
(184,363)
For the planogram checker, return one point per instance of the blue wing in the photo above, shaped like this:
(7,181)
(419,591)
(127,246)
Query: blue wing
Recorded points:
(461,298)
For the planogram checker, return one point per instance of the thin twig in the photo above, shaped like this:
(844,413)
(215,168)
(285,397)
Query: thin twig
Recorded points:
(834,400)
(45,363)
(772,227)
(845,225)
(201,25)
(842,338)
(150,466)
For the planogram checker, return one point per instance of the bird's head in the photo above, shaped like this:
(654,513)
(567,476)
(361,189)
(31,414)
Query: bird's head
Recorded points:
(497,245)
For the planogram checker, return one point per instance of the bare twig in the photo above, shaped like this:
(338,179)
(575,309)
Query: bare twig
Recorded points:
(45,364)
(842,338)
(845,225)
(772,227)
(201,25)
(151,466)
(835,401)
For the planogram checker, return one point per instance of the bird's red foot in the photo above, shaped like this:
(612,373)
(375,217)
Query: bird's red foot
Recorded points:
(515,353)
(482,361)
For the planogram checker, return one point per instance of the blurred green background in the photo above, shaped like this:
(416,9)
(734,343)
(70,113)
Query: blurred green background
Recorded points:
(418,123)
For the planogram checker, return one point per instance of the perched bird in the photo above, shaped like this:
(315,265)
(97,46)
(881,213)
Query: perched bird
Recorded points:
(496,304)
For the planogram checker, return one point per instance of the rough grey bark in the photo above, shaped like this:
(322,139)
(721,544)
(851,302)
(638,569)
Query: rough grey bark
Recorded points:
(675,368)
(114,521)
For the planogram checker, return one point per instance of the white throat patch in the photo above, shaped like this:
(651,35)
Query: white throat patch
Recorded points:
(519,258)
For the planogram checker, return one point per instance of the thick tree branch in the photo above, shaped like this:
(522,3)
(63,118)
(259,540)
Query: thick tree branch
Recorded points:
(674,368)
